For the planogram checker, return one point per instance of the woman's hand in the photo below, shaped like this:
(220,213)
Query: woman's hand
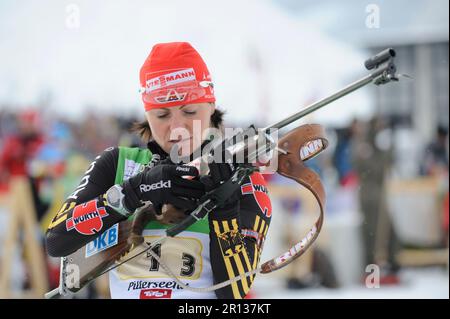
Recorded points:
(164,184)
(219,173)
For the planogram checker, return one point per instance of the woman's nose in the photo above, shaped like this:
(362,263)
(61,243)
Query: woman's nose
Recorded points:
(177,122)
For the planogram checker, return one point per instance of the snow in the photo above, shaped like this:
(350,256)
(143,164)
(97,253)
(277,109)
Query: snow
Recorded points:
(416,283)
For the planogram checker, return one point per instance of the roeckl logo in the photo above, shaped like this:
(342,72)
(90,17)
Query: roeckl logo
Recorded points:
(183,169)
(152,187)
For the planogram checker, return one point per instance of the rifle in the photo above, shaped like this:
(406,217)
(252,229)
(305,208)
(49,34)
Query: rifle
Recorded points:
(293,149)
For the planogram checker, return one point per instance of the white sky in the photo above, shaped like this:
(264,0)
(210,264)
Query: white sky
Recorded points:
(96,65)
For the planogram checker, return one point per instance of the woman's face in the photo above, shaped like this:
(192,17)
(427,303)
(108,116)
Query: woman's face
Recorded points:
(182,125)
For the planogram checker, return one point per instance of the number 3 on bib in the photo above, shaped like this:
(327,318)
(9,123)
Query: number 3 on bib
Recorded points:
(187,269)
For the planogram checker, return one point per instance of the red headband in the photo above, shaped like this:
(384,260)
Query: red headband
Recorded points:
(175,74)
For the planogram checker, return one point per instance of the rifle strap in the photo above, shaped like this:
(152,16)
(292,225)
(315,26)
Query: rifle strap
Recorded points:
(298,146)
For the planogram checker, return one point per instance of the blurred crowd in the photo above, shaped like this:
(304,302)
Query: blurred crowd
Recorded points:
(53,153)
(367,155)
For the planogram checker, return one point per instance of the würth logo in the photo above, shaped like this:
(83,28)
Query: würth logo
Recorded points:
(87,218)
(161,184)
(258,187)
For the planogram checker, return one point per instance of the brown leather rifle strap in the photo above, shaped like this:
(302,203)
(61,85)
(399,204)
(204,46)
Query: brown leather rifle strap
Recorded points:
(297,146)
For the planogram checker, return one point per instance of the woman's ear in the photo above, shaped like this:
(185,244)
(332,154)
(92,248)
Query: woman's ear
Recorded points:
(213,108)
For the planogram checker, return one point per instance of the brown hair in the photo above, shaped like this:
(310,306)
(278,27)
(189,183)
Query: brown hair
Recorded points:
(142,129)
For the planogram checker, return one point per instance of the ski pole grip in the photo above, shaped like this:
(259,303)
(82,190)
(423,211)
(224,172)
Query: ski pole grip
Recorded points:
(379,58)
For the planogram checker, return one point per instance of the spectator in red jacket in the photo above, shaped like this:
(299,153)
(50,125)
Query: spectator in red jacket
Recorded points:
(19,149)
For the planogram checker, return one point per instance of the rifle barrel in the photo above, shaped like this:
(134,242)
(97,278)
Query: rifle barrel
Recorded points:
(388,67)
(321,103)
